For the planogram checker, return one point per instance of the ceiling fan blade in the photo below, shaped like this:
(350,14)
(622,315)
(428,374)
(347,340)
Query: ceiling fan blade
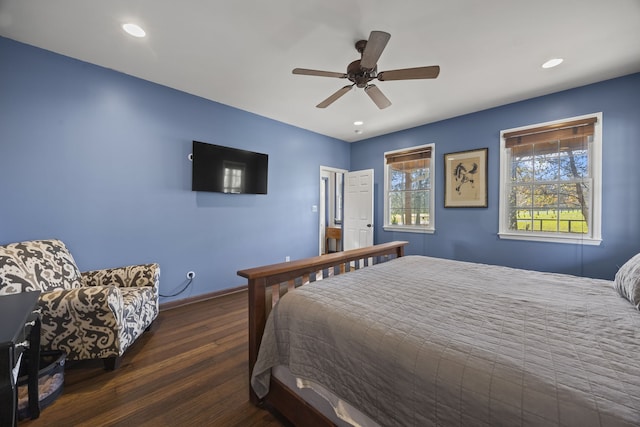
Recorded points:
(375,45)
(307,72)
(377,96)
(330,100)
(410,73)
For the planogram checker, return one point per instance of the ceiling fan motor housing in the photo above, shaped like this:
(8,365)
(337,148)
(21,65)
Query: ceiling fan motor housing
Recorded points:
(359,76)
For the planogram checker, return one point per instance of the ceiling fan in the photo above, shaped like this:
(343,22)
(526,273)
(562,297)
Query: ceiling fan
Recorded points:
(360,72)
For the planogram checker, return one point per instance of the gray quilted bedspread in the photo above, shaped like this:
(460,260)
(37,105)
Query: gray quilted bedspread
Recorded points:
(422,341)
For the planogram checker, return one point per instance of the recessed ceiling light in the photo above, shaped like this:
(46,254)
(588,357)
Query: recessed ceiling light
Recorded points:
(552,63)
(134,30)
(358,123)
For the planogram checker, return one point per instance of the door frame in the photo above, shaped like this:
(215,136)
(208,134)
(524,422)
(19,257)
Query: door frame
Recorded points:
(325,172)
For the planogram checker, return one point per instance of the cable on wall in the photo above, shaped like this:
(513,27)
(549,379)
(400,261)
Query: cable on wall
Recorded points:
(184,288)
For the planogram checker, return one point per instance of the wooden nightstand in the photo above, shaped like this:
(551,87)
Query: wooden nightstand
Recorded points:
(332,233)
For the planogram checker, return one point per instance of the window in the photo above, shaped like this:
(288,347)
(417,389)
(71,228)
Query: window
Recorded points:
(550,181)
(408,189)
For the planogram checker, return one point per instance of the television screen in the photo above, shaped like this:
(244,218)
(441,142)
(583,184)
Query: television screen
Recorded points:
(228,170)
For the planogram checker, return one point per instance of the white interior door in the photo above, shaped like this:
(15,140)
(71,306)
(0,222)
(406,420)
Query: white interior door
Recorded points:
(357,229)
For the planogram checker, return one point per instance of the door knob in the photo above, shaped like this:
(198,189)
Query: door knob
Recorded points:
(369,225)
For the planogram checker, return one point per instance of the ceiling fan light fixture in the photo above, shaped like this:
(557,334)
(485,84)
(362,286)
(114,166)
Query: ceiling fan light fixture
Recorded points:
(552,63)
(133,30)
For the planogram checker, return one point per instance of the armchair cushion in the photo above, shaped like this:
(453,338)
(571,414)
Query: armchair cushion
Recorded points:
(96,314)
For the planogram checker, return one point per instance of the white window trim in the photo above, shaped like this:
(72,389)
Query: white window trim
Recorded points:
(595,158)
(431,228)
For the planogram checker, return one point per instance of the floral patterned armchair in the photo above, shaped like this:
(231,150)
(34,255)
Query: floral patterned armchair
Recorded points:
(95,314)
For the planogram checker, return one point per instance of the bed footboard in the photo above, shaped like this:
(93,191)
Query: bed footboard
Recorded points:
(268,283)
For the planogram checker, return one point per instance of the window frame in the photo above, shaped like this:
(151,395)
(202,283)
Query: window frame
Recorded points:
(431,227)
(595,164)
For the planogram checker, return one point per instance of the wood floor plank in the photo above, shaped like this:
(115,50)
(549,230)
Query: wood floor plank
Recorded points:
(189,370)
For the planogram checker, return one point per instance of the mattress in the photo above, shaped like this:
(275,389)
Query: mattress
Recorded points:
(422,341)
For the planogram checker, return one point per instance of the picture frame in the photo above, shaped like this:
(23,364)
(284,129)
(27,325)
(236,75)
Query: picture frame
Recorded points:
(465,179)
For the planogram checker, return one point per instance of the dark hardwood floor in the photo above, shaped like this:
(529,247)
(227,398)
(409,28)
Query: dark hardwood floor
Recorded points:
(189,370)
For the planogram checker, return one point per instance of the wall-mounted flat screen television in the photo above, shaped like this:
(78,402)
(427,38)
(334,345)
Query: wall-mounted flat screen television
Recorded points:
(228,170)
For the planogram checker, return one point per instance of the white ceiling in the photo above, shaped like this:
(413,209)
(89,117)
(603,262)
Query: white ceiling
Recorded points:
(241,52)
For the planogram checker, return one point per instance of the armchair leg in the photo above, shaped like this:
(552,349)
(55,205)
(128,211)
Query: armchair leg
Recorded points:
(112,363)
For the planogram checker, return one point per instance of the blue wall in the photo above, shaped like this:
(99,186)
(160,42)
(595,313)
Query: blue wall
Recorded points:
(99,159)
(471,234)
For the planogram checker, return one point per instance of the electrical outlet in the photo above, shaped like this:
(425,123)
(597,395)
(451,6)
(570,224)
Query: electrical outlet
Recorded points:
(287,258)
(191,275)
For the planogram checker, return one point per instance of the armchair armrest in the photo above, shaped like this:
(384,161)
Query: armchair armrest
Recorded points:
(83,322)
(124,277)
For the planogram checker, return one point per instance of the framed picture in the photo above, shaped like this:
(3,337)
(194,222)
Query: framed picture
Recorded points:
(465,179)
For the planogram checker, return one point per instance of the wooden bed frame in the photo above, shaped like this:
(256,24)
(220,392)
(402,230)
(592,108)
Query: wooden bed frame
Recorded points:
(268,283)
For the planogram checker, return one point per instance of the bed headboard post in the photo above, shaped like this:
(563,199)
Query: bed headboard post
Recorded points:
(257,321)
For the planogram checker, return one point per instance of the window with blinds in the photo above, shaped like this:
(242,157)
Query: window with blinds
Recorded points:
(550,180)
(409,189)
